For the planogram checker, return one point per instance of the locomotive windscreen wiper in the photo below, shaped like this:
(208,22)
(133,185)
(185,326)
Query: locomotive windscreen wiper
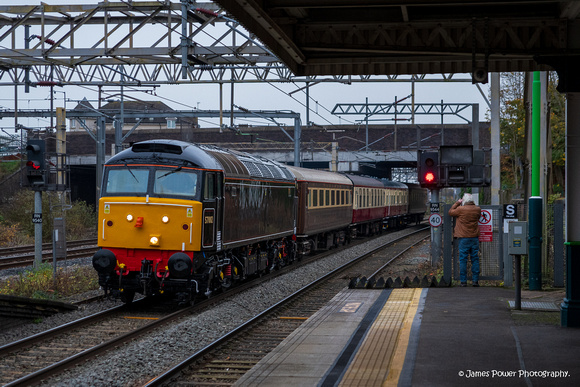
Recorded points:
(170,172)
(131,172)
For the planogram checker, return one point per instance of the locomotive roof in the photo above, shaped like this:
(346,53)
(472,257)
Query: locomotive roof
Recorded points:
(233,163)
(306,174)
(364,181)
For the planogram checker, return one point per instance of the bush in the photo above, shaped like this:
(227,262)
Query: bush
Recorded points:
(8,167)
(41,283)
(81,219)
(10,235)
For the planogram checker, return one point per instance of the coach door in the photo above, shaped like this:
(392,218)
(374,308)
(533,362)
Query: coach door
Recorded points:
(212,210)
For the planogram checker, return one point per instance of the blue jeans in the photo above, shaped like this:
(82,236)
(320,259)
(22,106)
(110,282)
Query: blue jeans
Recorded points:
(468,246)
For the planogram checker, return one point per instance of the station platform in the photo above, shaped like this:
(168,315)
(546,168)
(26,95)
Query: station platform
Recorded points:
(452,336)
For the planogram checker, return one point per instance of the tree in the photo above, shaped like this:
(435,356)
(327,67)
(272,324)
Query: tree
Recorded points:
(514,161)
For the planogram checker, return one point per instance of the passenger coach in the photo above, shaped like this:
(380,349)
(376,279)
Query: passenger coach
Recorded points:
(324,209)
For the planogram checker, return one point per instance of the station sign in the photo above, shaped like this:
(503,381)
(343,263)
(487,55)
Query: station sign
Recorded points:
(510,211)
(485,224)
(510,214)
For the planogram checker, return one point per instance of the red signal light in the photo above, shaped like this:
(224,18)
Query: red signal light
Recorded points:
(430,177)
(32,164)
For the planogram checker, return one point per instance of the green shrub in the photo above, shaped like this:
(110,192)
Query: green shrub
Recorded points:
(41,283)
(81,219)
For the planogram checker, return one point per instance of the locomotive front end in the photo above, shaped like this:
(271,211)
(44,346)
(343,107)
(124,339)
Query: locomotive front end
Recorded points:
(150,229)
(147,244)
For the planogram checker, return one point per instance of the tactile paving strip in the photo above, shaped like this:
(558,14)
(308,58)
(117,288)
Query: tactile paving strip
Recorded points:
(535,305)
(374,360)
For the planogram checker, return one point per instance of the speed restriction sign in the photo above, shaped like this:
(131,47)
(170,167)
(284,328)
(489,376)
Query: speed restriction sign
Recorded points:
(435,220)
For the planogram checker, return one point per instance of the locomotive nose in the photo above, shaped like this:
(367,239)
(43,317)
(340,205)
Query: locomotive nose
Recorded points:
(104,261)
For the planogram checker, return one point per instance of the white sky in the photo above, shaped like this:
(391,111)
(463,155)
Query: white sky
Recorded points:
(323,96)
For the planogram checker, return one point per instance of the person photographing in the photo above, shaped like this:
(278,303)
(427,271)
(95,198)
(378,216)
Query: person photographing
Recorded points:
(467,233)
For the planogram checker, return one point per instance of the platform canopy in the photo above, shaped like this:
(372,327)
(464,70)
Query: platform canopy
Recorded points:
(366,37)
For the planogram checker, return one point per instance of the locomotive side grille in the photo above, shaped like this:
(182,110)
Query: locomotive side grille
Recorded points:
(264,171)
(254,171)
(287,174)
(275,171)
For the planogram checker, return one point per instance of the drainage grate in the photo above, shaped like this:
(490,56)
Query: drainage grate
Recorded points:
(549,306)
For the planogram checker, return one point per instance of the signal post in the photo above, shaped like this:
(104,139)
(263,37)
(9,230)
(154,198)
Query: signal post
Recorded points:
(449,166)
(35,176)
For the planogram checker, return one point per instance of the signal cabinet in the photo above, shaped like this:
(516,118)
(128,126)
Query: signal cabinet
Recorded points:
(518,238)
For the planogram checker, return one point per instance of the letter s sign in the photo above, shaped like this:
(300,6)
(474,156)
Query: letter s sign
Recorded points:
(509,211)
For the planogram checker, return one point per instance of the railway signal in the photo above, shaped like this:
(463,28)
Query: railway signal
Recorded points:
(428,169)
(35,163)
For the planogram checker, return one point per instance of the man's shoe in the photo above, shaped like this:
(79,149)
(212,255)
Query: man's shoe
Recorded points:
(476,284)
(463,284)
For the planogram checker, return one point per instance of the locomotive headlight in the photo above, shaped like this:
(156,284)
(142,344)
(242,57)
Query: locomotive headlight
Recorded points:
(154,240)
(165,219)
(129,218)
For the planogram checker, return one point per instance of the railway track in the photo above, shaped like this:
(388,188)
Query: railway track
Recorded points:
(35,359)
(22,256)
(225,361)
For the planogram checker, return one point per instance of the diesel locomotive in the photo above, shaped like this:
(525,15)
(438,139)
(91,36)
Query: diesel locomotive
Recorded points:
(181,219)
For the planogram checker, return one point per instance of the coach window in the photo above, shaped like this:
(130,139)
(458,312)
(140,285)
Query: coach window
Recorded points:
(314,198)
(342,197)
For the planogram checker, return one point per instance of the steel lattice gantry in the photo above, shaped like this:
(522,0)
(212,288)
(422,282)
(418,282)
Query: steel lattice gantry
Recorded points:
(142,43)
(133,42)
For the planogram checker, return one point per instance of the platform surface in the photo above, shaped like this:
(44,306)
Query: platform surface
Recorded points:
(422,337)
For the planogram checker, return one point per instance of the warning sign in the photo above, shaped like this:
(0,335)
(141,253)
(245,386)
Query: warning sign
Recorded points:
(486,226)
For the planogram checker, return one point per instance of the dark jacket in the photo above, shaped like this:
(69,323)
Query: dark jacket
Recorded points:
(467,216)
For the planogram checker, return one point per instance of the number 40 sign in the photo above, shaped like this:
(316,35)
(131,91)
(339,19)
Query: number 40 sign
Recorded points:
(435,220)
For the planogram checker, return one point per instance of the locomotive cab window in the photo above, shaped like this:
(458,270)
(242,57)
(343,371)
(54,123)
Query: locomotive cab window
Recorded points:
(175,182)
(127,180)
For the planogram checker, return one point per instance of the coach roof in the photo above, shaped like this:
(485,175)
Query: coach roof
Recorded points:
(314,175)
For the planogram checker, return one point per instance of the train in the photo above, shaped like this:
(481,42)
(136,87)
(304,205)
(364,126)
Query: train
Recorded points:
(183,219)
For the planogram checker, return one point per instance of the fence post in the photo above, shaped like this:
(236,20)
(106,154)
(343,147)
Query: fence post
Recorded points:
(559,243)
(447,244)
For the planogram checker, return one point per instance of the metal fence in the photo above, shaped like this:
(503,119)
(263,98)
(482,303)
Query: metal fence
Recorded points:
(495,263)
(490,250)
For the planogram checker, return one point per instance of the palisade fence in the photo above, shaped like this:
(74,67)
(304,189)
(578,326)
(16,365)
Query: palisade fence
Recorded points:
(492,253)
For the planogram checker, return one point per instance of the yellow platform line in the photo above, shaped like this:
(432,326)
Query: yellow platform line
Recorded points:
(381,355)
(398,359)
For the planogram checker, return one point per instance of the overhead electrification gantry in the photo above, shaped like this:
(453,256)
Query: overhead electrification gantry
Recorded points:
(142,43)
